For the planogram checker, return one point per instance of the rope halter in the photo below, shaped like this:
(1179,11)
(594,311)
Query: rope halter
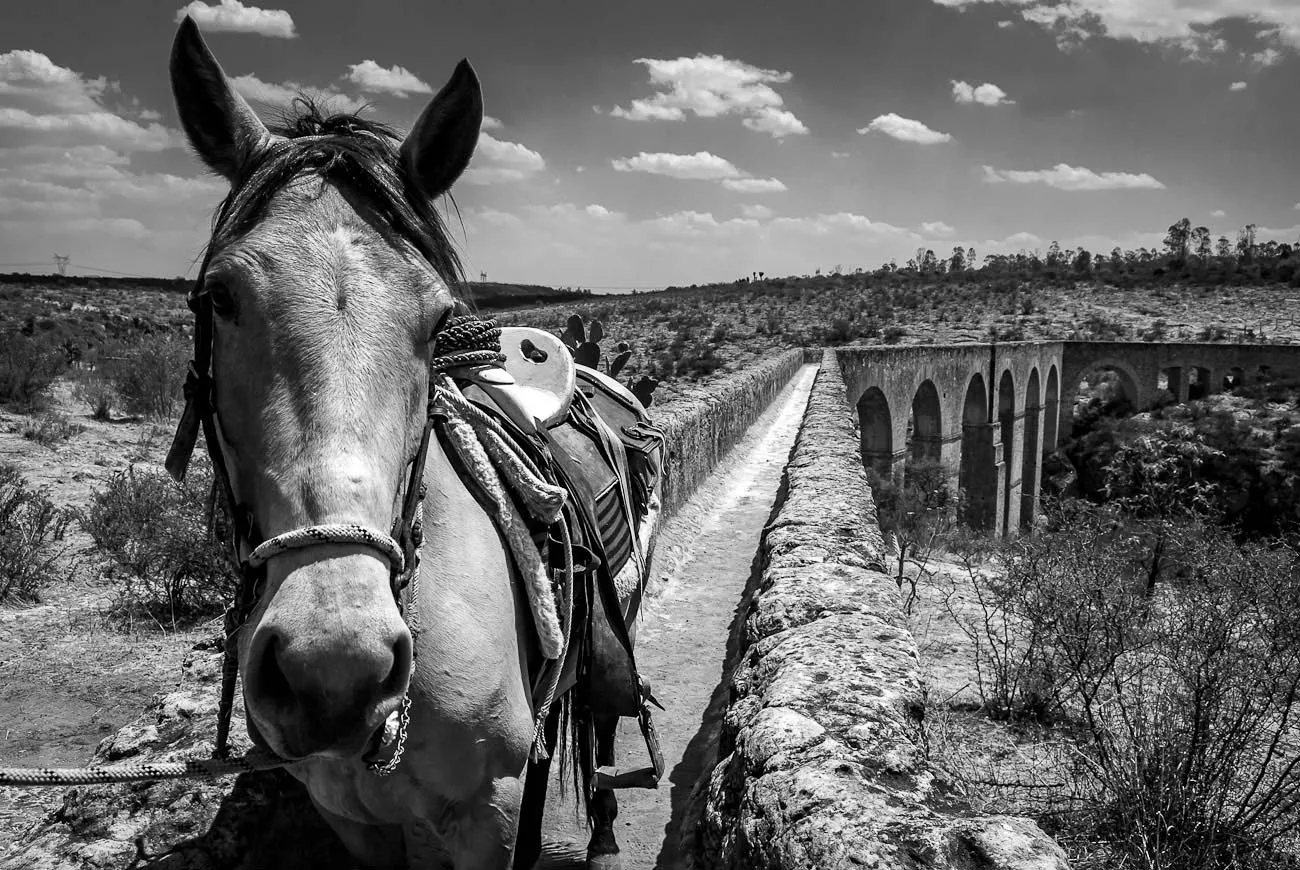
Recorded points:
(330,533)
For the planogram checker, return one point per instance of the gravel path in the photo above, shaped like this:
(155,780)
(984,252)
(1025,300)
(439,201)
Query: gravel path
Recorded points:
(686,643)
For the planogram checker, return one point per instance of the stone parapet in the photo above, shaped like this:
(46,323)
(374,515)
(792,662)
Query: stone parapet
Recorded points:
(820,766)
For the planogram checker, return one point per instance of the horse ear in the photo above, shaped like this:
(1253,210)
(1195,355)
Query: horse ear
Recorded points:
(442,141)
(221,127)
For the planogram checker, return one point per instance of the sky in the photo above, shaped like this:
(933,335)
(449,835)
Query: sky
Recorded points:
(639,145)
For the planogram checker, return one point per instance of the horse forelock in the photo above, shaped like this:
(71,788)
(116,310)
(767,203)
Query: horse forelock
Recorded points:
(357,154)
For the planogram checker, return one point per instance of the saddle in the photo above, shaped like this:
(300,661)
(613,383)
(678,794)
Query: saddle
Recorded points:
(605,451)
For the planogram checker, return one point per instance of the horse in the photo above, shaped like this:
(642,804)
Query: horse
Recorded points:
(328,273)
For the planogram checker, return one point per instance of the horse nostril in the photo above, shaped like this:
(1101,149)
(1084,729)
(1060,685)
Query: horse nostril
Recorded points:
(270,681)
(400,673)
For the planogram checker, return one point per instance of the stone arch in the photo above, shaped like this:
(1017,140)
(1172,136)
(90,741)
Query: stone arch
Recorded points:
(1200,382)
(1007,421)
(1032,454)
(926,437)
(876,432)
(1128,384)
(977,474)
(1052,410)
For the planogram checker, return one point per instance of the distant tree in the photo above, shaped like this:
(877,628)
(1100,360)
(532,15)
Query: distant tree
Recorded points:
(1178,241)
(1083,262)
(929,262)
(1223,248)
(957,263)
(1201,244)
(1116,260)
(1246,244)
(970,258)
(1054,255)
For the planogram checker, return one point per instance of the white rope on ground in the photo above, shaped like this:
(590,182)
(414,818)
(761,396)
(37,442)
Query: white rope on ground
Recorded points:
(254,759)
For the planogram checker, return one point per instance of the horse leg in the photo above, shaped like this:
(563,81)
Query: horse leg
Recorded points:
(480,834)
(528,844)
(602,850)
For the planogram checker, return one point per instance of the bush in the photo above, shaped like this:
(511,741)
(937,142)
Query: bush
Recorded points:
(50,428)
(149,374)
(31,533)
(1181,697)
(28,366)
(163,543)
(94,390)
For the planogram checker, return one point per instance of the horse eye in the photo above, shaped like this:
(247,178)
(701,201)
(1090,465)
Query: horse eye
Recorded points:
(223,300)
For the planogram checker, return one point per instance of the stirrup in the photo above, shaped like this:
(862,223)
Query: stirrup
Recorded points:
(610,777)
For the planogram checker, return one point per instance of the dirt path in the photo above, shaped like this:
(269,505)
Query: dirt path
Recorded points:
(686,643)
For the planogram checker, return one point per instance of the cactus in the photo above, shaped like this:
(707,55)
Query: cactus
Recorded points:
(583,340)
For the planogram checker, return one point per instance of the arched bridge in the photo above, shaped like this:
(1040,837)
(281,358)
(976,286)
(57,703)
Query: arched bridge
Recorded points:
(989,412)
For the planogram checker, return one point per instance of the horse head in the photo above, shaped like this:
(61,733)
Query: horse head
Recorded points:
(327,274)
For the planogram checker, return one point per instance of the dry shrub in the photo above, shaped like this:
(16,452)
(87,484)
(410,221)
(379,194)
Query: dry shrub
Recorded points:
(31,537)
(1181,697)
(50,428)
(95,390)
(166,552)
(28,366)
(148,374)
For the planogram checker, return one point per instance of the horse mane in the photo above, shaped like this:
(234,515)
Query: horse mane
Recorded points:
(358,153)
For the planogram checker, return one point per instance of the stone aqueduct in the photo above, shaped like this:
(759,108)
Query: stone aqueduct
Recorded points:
(990,412)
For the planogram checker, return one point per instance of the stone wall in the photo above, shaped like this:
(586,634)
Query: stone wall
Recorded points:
(707,422)
(264,820)
(819,762)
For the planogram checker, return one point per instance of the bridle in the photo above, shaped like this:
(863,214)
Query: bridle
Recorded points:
(459,341)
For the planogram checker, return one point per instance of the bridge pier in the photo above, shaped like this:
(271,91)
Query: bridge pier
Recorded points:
(1032,467)
(981,476)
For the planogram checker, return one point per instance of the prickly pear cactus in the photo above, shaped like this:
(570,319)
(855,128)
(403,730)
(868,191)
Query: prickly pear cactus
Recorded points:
(583,340)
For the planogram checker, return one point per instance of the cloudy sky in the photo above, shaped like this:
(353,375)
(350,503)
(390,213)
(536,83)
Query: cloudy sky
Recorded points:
(636,145)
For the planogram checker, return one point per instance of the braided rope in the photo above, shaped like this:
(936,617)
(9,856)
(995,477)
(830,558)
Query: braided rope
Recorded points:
(467,340)
(253,760)
(329,533)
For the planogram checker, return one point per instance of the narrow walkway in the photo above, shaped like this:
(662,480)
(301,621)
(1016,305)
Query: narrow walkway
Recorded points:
(686,642)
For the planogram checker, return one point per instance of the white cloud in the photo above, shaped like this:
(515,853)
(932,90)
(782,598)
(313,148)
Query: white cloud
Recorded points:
(234,17)
(905,130)
(937,228)
(700,166)
(1297,206)
(778,122)
(282,94)
(987,94)
(1189,24)
(711,86)
(491,123)
(1073,178)
(569,244)
(1237,86)
(1286,234)
(496,161)
(1218,213)
(754,185)
(1004,24)
(395,80)
(42,103)
(756,212)
(1267,57)
(839,154)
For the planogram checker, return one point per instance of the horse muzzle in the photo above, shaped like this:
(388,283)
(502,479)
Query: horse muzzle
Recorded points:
(329,659)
